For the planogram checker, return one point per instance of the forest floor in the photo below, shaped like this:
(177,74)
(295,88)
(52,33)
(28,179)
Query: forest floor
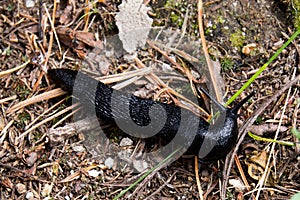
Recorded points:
(42,155)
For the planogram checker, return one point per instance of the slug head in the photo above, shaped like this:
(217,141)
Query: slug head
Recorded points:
(223,131)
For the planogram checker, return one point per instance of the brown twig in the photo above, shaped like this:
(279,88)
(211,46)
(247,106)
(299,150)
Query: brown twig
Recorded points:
(148,178)
(41,97)
(170,91)
(161,187)
(32,177)
(239,166)
(207,58)
(197,178)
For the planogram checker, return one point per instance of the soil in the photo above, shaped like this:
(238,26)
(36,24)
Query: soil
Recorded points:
(42,155)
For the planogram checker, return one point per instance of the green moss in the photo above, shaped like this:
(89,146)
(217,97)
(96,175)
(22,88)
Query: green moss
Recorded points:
(176,19)
(23,118)
(259,120)
(178,8)
(22,91)
(226,64)
(237,39)
(296,6)
(10,7)
(220,19)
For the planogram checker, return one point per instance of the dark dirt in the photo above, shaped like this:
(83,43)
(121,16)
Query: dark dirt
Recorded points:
(40,166)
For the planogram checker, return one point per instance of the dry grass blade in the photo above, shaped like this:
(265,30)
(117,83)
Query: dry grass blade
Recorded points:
(47,120)
(66,117)
(77,174)
(125,75)
(123,84)
(4,131)
(152,77)
(35,99)
(9,71)
(43,114)
(52,24)
(8,99)
(198,179)
(209,63)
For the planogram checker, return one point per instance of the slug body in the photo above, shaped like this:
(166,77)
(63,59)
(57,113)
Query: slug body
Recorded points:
(110,104)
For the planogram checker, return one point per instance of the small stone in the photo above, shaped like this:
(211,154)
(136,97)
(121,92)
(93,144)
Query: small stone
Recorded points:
(94,173)
(78,148)
(237,184)
(29,195)
(109,162)
(21,188)
(67,198)
(125,155)
(29,3)
(32,158)
(126,142)
(140,165)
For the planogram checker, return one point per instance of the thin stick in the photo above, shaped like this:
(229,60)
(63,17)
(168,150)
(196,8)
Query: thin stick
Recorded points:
(208,61)
(8,99)
(197,178)
(41,97)
(9,71)
(47,120)
(36,178)
(45,112)
(52,26)
(239,166)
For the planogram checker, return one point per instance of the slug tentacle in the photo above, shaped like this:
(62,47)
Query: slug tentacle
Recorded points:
(146,116)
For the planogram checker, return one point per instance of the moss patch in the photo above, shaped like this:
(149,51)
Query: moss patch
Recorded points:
(237,39)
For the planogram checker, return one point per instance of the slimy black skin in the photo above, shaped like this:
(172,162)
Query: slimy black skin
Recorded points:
(222,134)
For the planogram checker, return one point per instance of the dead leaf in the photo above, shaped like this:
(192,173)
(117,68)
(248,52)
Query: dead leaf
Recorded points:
(260,158)
(6,182)
(266,128)
(31,159)
(249,48)
(255,171)
(77,40)
(65,18)
(257,165)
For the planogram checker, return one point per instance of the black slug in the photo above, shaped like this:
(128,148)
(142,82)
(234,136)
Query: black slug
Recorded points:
(145,118)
